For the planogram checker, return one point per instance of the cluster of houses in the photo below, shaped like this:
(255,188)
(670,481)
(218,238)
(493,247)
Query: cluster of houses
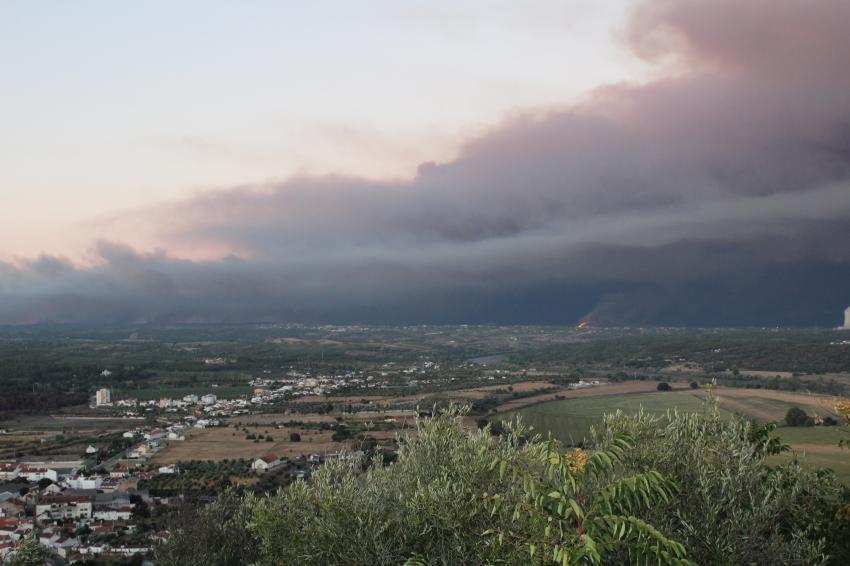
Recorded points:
(153,438)
(80,514)
(267,391)
(271,461)
(74,515)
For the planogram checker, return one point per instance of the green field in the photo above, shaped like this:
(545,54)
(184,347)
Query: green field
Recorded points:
(817,447)
(569,420)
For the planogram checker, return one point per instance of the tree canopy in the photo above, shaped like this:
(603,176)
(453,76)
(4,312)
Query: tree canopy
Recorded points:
(688,488)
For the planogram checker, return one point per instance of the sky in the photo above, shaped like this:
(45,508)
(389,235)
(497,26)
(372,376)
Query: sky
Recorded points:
(676,162)
(113,105)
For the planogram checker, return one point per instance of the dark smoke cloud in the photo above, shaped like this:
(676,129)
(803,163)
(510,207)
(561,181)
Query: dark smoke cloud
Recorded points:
(718,195)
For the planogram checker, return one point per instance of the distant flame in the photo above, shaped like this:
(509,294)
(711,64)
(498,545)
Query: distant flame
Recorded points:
(582,324)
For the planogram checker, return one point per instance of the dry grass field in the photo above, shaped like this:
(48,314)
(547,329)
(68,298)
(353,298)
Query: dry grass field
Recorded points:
(228,443)
(269,418)
(683,368)
(766,374)
(769,405)
(22,441)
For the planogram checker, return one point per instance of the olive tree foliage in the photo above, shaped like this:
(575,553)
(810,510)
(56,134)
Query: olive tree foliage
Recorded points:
(581,510)
(424,508)
(461,497)
(842,407)
(212,535)
(29,553)
(731,506)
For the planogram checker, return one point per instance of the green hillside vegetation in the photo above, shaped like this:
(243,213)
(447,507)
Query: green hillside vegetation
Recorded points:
(693,488)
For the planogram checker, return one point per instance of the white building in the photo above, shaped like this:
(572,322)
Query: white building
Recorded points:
(64,507)
(266,463)
(38,473)
(847,318)
(209,399)
(85,482)
(102,397)
(110,513)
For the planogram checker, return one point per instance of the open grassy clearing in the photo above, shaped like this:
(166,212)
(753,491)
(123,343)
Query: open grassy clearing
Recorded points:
(814,435)
(818,447)
(570,420)
(227,443)
(12,443)
(59,423)
(279,418)
(770,405)
(604,390)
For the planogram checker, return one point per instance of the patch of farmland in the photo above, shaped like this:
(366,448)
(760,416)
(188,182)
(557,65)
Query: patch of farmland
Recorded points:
(228,443)
(570,420)
(817,446)
(770,405)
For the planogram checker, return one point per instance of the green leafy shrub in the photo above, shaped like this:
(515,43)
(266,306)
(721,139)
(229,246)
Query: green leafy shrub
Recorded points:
(460,497)
(579,510)
(686,488)
(731,507)
(798,417)
(217,534)
(28,553)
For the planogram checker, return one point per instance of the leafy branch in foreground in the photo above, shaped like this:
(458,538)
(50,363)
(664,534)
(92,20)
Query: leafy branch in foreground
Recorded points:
(572,508)
(706,488)
(842,407)
(737,503)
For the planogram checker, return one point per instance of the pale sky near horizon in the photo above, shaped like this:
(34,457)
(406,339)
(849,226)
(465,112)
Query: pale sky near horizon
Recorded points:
(107,106)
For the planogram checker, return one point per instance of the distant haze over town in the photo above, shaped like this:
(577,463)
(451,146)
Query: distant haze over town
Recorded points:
(650,162)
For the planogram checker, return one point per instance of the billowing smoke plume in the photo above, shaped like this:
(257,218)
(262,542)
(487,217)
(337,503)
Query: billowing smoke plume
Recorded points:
(718,195)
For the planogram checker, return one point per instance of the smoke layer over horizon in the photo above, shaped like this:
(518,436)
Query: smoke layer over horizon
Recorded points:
(717,195)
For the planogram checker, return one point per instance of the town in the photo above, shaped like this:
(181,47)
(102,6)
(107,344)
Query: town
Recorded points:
(101,476)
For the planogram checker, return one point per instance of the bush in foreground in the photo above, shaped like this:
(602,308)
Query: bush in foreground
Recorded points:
(460,497)
(687,488)
(731,506)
